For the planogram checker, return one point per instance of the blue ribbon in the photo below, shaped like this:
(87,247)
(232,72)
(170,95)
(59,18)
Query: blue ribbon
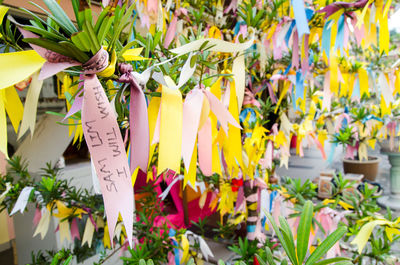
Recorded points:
(326,38)
(300,17)
(340,33)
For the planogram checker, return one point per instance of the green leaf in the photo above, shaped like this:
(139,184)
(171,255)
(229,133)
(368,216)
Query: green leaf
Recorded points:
(81,41)
(50,45)
(55,259)
(142,262)
(270,257)
(203,45)
(288,237)
(59,13)
(56,20)
(332,260)
(78,54)
(68,261)
(75,6)
(221,262)
(36,18)
(100,19)
(37,24)
(193,60)
(281,239)
(326,245)
(88,28)
(104,29)
(261,261)
(157,39)
(304,229)
(45,33)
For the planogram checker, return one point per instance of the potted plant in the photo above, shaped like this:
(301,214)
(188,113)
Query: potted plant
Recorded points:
(355,135)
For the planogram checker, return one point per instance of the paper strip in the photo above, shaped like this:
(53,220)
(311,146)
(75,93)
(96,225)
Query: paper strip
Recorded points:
(190,123)
(222,114)
(139,128)
(22,200)
(29,118)
(18,66)
(3,126)
(205,148)
(300,16)
(169,156)
(218,46)
(88,233)
(43,225)
(105,144)
(14,107)
(239,75)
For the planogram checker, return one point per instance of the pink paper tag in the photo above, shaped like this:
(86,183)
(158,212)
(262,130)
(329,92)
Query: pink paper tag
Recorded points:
(105,144)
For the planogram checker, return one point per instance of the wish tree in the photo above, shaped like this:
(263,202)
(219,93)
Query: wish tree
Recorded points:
(199,99)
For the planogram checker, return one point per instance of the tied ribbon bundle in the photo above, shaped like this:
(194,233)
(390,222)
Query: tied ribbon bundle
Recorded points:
(101,132)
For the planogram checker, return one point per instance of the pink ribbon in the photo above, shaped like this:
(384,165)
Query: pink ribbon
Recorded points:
(249,98)
(304,62)
(232,6)
(190,123)
(75,230)
(37,217)
(104,140)
(192,108)
(205,148)
(392,131)
(329,219)
(138,119)
(170,35)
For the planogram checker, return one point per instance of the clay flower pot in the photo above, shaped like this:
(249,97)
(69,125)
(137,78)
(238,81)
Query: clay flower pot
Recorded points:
(369,168)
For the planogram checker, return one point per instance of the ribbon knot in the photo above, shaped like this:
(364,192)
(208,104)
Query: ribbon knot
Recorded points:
(127,74)
(97,63)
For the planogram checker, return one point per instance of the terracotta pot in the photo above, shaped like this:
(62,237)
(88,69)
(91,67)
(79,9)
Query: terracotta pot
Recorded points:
(368,168)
